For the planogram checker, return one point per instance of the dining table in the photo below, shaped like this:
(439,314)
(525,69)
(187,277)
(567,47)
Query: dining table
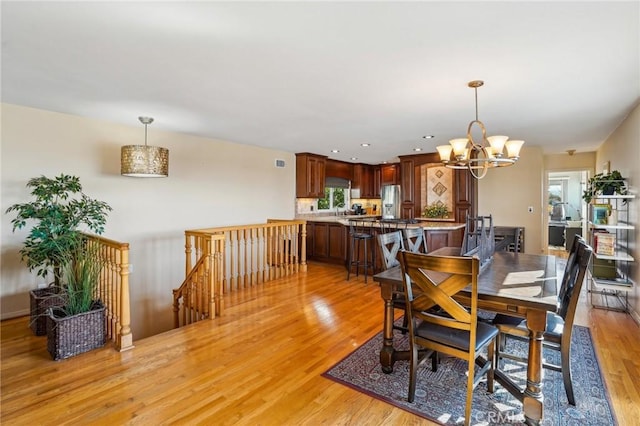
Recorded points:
(517,284)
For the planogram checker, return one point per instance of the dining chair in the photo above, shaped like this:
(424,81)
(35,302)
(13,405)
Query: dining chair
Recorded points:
(390,244)
(453,329)
(479,238)
(416,242)
(559,326)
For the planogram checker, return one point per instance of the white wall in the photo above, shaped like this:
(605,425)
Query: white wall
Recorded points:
(211,183)
(508,192)
(622,150)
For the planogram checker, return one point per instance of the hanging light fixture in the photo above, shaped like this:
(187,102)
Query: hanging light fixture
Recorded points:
(478,157)
(144,160)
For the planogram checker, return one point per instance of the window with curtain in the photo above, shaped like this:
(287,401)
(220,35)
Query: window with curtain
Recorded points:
(336,194)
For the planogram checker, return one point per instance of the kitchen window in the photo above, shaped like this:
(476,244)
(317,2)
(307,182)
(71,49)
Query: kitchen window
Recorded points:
(333,198)
(336,194)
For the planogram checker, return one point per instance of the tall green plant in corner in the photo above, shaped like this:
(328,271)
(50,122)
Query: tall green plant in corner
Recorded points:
(58,210)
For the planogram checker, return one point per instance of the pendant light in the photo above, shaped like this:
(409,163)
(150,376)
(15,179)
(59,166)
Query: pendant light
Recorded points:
(144,160)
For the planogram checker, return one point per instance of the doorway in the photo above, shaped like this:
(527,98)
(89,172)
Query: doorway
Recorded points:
(566,210)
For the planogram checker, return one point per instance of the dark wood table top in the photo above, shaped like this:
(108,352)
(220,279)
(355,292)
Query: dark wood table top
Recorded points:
(515,281)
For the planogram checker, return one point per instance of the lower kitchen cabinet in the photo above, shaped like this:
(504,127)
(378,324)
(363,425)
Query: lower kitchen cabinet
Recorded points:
(445,238)
(327,242)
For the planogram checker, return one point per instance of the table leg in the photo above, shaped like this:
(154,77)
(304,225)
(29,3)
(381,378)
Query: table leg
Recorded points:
(387,351)
(533,399)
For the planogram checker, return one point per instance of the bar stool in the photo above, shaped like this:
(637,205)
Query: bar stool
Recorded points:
(361,232)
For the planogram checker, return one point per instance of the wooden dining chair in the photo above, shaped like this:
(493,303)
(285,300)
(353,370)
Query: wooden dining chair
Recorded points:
(559,325)
(453,329)
(389,245)
(416,242)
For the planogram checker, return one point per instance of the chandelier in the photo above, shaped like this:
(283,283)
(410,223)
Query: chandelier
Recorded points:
(478,157)
(144,160)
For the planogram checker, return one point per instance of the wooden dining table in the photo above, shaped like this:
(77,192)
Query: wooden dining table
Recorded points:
(517,284)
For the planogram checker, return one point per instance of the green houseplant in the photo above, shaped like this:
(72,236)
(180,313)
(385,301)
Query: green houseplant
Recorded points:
(78,325)
(58,209)
(436,210)
(605,184)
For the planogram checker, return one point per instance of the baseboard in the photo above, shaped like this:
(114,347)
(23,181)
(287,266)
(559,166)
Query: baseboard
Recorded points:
(15,314)
(635,316)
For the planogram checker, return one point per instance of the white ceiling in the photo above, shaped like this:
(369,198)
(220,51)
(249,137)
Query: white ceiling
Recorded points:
(313,76)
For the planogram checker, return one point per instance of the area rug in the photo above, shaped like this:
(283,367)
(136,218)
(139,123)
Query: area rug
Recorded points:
(440,396)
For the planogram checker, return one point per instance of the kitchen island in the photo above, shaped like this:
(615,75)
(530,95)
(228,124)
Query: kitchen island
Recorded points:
(328,236)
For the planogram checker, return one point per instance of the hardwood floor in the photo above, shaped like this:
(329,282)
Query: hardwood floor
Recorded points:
(258,364)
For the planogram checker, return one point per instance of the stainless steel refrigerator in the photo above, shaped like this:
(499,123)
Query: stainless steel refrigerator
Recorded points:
(390,195)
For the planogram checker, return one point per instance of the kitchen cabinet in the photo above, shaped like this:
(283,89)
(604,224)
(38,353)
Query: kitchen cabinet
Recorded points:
(310,175)
(363,175)
(389,174)
(339,169)
(327,242)
(443,238)
(377,181)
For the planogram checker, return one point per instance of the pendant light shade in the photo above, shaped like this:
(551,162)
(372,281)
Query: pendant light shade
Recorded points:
(144,160)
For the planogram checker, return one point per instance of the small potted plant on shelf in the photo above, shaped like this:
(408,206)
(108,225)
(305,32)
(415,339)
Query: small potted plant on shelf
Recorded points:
(604,184)
(58,209)
(78,325)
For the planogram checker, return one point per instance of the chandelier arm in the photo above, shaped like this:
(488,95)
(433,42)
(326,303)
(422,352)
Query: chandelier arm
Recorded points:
(483,172)
(474,145)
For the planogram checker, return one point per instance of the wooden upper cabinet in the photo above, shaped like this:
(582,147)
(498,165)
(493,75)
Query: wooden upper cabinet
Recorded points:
(377,181)
(339,169)
(390,174)
(363,175)
(407,181)
(310,175)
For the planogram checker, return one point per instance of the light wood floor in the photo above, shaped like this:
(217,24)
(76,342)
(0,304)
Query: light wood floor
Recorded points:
(259,364)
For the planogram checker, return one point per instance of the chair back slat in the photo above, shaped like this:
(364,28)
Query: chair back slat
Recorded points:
(437,279)
(572,280)
(390,245)
(416,242)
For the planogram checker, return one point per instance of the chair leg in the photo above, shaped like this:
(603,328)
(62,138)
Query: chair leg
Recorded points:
(366,260)
(350,260)
(470,380)
(565,355)
(491,354)
(413,367)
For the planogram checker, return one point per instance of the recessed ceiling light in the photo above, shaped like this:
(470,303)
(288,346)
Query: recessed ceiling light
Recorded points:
(384,162)
(428,137)
(335,151)
(417,149)
(354,158)
(365,144)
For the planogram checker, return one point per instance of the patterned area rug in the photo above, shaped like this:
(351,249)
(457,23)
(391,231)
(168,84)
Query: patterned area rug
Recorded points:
(440,396)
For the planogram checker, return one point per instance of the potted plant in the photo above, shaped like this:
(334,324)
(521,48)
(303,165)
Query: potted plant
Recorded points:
(79,324)
(58,209)
(436,210)
(604,184)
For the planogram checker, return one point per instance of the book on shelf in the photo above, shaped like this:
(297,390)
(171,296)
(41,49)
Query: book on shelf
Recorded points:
(605,243)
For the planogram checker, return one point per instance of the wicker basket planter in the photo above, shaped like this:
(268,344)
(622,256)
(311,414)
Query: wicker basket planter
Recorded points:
(40,300)
(73,335)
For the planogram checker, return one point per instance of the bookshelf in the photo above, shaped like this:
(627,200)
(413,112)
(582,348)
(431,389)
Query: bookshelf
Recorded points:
(610,232)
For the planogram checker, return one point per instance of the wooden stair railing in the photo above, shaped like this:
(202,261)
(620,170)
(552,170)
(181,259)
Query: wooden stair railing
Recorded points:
(196,298)
(223,260)
(113,289)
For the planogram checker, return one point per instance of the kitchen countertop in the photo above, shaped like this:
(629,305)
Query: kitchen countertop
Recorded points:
(344,220)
